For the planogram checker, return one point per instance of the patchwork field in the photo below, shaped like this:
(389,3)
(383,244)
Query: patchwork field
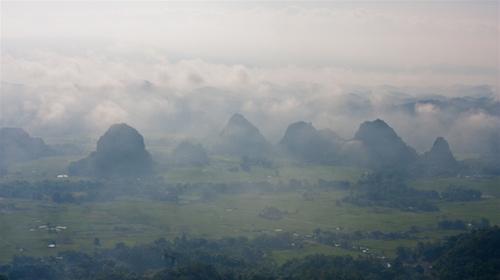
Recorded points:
(29,226)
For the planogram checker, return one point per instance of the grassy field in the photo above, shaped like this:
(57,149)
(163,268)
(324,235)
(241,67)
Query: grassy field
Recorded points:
(139,221)
(40,169)
(488,186)
(220,171)
(217,171)
(136,221)
(310,249)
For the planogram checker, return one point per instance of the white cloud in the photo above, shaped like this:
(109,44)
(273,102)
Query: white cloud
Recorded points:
(185,68)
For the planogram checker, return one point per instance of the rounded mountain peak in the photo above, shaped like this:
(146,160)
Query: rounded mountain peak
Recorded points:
(241,137)
(239,124)
(17,145)
(13,132)
(120,138)
(440,144)
(441,152)
(238,118)
(384,147)
(120,152)
(304,141)
(299,129)
(377,128)
(439,160)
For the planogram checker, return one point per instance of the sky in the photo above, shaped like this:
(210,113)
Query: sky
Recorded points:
(69,68)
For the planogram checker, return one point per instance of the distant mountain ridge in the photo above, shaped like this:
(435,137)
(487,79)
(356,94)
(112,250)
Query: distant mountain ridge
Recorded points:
(189,154)
(241,138)
(303,141)
(384,147)
(17,145)
(119,152)
(375,145)
(439,160)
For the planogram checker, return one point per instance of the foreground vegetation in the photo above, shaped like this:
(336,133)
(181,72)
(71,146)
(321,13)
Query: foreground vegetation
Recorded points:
(218,202)
(241,218)
(474,255)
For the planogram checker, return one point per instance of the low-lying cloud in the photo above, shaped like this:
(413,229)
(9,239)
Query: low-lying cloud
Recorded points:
(56,94)
(74,68)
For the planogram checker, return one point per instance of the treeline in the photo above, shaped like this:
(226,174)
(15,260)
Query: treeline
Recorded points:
(347,240)
(385,189)
(456,193)
(183,258)
(463,225)
(64,191)
(389,189)
(474,255)
(82,190)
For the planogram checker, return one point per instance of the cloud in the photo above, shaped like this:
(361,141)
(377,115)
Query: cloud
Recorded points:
(51,93)
(75,68)
(426,109)
(444,38)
